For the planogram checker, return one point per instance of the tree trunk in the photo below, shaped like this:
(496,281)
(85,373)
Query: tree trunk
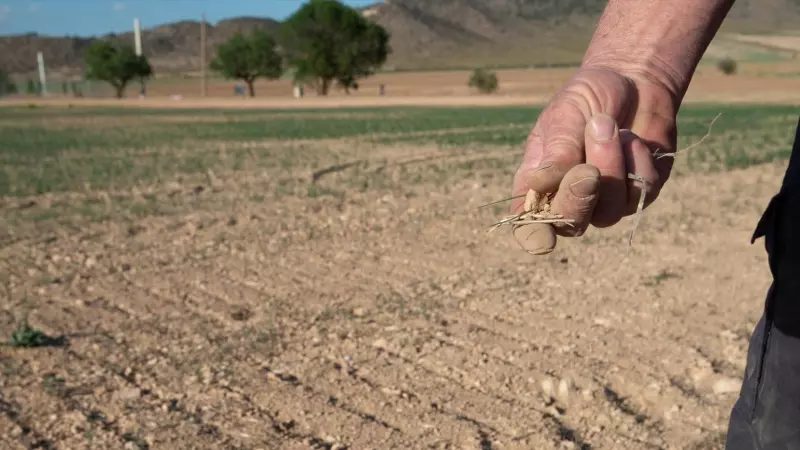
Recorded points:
(120,90)
(251,87)
(323,86)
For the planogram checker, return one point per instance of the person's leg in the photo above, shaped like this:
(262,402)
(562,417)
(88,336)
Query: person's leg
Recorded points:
(766,415)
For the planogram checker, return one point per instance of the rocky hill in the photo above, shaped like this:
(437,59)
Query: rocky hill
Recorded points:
(170,47)
(425,34)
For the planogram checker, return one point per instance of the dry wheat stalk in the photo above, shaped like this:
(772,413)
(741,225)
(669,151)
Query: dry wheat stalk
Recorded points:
(536,208)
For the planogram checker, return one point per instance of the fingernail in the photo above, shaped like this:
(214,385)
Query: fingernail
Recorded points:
(585,187)
(603,128)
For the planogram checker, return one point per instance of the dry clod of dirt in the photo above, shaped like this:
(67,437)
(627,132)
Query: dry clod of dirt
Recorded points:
(563,391)
(727,386)
(536,209)
(548,389)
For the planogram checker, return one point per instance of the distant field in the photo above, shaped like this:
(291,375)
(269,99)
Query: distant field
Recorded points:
(57,149)
(314,279)
(764,74)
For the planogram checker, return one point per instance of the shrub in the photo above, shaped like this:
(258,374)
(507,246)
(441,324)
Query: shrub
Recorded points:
(483,80)
(727,66)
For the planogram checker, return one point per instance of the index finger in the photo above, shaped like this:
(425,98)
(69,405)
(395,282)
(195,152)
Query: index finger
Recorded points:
(563,139)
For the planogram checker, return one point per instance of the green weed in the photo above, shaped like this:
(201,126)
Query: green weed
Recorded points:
(27,336)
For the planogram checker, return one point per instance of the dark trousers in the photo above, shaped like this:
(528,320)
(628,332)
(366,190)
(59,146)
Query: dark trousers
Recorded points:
(766,415)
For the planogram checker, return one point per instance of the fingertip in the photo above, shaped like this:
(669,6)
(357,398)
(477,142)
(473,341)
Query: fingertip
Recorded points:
(626,136)
(604,150)
(536,238)
(576,199)
(582,181)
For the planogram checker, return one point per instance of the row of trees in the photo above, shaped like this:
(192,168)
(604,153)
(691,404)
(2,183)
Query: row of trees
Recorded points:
(324,42)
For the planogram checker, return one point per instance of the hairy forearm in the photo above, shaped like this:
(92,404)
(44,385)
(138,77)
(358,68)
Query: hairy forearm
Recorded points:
(661,39)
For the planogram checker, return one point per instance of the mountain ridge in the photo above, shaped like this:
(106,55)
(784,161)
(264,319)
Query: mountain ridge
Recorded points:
(425,34)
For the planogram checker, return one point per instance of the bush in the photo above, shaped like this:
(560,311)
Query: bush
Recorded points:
(727,66)
(483,80)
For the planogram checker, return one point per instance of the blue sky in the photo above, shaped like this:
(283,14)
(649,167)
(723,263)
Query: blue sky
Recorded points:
(97,17)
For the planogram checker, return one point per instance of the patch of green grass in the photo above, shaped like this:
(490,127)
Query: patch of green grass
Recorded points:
(36,159)
(22,143)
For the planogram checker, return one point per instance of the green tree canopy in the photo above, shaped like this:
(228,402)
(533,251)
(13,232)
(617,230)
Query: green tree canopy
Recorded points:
(115,65)
(327,41)
(248,57)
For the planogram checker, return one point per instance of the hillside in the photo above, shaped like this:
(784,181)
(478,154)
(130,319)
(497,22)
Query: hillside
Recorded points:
(425,34)
(170,47)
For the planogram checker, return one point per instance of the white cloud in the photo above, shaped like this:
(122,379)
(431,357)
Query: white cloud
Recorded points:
(5,11)
(118,6)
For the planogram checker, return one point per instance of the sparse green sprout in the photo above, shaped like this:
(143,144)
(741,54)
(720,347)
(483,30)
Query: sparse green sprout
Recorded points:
(26,336)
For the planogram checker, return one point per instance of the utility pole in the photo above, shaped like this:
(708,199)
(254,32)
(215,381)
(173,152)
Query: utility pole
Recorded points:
(42,75)
(137,42)
(137,36)
(203,54)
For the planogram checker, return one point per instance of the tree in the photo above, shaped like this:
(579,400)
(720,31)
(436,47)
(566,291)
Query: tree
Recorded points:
(327,41)
(248,57)
(116,65)
(347,82)
(7,85)
(483,80)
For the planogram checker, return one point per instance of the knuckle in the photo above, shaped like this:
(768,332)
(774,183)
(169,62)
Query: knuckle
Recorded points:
(564,145)
(583,96)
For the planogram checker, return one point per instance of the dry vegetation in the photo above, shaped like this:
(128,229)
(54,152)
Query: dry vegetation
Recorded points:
(317,279)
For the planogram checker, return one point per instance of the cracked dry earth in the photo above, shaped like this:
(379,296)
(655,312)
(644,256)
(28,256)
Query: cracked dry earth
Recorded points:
(385,318)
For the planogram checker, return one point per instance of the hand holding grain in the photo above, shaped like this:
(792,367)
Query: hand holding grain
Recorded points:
(600,127)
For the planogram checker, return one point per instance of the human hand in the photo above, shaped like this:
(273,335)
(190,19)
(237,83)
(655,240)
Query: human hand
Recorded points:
(602,125)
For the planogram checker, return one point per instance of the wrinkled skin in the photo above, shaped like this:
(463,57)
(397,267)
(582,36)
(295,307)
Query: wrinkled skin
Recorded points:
(589,170)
